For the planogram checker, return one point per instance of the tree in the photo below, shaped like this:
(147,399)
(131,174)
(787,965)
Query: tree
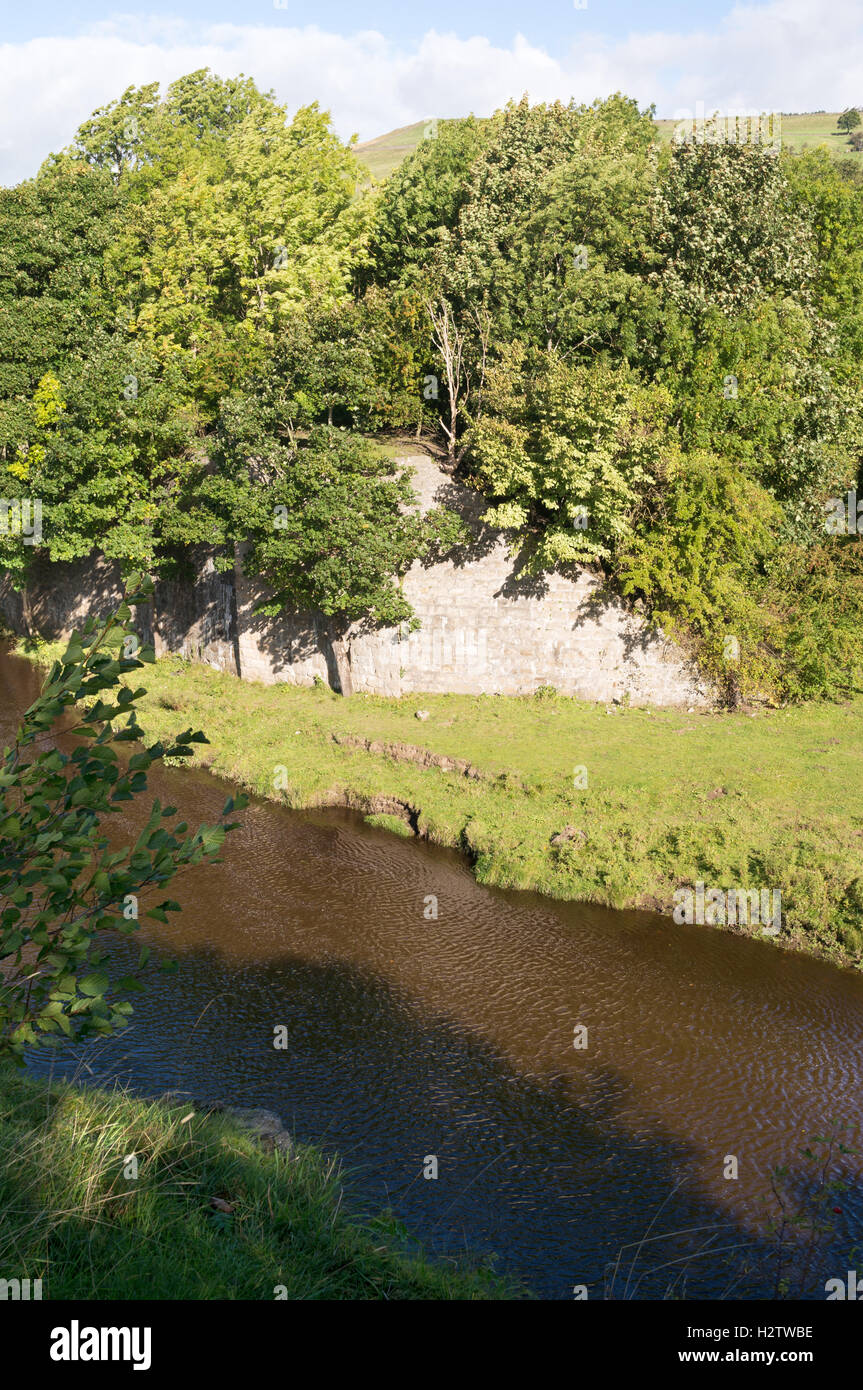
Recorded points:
(65,888)
(849,120)
(576,274)
(331,524)
(56,284)
(451,338)
(107,444)
(565,452)
(419,205)
(114,137)
(758,387)
(727,229)
(523,145)
(322,355)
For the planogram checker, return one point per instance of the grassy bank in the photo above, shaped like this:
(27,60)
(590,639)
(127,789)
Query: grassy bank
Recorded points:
(769,800)
(71,1217)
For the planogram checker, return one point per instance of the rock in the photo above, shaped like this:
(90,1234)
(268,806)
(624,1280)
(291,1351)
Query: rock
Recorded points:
(264,1124)
(421,714)
(284,1142)
(569,832)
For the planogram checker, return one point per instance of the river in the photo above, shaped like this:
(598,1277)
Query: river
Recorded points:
(412,1037)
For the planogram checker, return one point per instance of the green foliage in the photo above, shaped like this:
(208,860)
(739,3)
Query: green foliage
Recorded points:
(63,885)
(329,523)
(698,560)
(198,282)
(576,261)
(565,452)
(418,205)
(821,591)
(849,120)
(56,292)
(833,201)
(726,229)
(766,618)
(551,182)
(756,386)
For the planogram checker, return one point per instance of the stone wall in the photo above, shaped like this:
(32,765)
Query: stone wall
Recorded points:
(485,629)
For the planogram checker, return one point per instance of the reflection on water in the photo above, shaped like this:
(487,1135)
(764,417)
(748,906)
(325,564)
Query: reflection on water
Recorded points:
(454,1037)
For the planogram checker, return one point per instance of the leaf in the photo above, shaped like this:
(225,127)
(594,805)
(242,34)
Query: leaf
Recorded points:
(94,984)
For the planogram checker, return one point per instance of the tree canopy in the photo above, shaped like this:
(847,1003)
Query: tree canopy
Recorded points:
(205,301)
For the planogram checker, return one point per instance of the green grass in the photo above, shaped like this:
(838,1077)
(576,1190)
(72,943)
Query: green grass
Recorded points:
(383,155)
(70,1217)
(394,824)
(799,132)
(769,800)
(802,131)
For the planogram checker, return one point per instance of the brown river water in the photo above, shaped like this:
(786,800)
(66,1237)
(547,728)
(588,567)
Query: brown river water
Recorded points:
(411,1037)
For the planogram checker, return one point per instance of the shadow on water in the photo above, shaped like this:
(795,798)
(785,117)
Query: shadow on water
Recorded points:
(455,1039)
(555,1186)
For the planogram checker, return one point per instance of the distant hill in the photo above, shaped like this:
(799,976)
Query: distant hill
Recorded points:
(799,131)
(383,155)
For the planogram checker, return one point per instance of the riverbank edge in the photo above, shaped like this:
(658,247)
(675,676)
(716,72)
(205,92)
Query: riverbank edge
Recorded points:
(107,1195)
(413,776)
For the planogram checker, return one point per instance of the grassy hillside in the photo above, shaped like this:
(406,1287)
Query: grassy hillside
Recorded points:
(383,155)
(210,1214)
(802,131)
(799,132)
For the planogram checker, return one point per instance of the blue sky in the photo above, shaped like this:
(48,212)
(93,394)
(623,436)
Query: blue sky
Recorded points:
(378,64)
(544,22)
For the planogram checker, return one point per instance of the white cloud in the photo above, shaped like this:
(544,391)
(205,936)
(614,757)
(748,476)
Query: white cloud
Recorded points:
(785,55)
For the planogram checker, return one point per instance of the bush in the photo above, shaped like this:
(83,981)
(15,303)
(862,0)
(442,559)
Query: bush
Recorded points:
(764,618)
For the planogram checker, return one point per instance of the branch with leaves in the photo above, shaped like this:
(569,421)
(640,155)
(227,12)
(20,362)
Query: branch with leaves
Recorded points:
(63,889)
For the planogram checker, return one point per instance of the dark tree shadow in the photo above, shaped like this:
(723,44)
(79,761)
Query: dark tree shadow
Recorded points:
(552,1184)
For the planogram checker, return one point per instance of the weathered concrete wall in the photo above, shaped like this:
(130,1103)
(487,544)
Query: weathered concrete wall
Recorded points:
(485,629)
(196,619)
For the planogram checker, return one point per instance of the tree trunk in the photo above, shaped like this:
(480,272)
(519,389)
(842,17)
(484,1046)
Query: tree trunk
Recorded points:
(340,662)
(26,612)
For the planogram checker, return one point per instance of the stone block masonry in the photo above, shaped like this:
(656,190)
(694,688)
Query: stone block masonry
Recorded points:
(485,629)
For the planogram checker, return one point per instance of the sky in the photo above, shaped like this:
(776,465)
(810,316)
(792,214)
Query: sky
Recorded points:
(379,64)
